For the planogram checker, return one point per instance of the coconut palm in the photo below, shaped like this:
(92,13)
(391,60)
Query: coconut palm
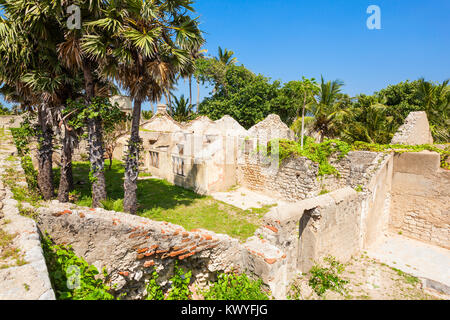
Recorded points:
(435,100)
(142,46)
(370,123)
(181,110)
(26,74)
(226,57)
(329,108)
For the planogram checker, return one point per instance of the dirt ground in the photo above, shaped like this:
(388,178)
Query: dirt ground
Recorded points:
(368,279)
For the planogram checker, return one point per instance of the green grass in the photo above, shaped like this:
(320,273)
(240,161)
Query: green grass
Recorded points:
(159,200)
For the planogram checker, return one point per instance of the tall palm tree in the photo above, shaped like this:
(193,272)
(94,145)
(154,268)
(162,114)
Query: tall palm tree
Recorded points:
(26,70)
(72,55)
(327,109)
(195,53)
(226,57)
(142,46)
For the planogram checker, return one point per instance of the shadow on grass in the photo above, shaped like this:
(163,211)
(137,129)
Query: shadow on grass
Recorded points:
(152,194)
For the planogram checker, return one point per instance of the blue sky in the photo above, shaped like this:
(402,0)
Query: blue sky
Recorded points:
(288,39)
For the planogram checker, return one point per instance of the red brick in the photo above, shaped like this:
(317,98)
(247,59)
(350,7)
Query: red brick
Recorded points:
(207,237)
(149,254)
(177,253)
(272,228)
(149,264)
(134,235)
(186,256)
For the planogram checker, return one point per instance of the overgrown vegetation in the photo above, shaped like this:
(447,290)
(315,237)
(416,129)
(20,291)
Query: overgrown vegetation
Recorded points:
(323,278)
(234,286)
(71,276)
(22,139)
(229,286)
(319,153)
(399,148)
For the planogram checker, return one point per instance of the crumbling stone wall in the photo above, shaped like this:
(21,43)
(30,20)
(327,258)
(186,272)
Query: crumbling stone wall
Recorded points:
(421,198)
(28,281)
(131,247)
(296,178)
(414,131)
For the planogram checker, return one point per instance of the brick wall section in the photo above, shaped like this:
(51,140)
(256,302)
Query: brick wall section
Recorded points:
(421,198)
(296,178)
(131,247)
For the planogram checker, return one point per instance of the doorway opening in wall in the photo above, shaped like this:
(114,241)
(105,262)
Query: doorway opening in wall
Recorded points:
(154,159)
(178,166)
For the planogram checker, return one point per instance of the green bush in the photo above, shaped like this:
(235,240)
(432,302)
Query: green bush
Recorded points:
(231,286)
(113,205)
(71,276)
(179,286)
(323,278)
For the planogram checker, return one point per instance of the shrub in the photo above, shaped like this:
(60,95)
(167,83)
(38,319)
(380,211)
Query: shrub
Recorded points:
(232,286)
(71,276)
(327,277)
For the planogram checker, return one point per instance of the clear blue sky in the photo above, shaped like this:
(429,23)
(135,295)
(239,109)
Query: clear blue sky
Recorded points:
(288,39)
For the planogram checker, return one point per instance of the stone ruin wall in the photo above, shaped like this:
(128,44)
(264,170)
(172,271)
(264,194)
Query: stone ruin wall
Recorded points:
(296,178)
(414,131)
(29,281)
(421,198)
(132,247)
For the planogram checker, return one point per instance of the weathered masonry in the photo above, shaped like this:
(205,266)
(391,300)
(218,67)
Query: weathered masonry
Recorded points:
(376,192)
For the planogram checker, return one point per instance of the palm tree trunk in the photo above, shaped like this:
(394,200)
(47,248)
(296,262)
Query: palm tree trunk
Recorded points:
(198,94)
(66,179)
(132,163)
(97,160)
(303,120)
(96,152)
(190,89)
(45,154)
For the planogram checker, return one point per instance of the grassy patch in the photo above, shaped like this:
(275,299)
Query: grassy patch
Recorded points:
(412,280)
(10,256)
(162,201)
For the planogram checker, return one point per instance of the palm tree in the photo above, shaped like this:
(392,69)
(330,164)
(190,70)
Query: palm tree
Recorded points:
(141,46)
(369,124)
(27,78)
(435,101)
(72,55)
(328,109)
(195,53)
(226,57)
(181,110)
